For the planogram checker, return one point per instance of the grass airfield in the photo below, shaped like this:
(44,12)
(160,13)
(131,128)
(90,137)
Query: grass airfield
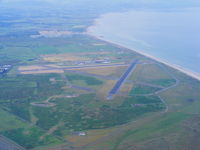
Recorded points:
(49,109)
(44,106)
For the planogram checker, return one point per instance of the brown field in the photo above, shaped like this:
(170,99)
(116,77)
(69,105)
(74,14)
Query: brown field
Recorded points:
(126,88)
(37,69)
(43,71)
(74,90)
(91,136)
(53,68)
(103,91)
(53,65)
(100,70)
(33,67)
(63,57)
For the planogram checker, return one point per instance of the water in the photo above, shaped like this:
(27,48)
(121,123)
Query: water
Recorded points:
(172,35)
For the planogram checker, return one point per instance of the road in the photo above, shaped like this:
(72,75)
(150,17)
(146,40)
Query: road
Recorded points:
(7,144)
(123,78)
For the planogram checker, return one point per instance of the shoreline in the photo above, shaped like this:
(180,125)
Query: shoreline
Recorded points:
(174,66)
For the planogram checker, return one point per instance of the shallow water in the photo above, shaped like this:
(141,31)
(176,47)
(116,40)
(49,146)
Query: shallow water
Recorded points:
(171,35)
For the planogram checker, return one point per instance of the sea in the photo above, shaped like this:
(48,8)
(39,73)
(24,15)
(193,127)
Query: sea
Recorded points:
(172,35)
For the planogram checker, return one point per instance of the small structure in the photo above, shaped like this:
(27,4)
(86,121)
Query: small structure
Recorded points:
(82,134)
(79,133)
(4,69)
(138,105)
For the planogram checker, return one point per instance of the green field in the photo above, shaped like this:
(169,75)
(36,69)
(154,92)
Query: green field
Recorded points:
(153,74)
(86,80)
(31,137)
(142,89)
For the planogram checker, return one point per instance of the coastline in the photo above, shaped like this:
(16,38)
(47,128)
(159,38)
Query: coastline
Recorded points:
(174,66)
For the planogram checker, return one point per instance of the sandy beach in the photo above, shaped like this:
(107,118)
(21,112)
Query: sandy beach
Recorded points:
(179,68)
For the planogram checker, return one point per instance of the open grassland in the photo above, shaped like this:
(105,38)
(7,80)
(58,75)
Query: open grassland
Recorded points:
(104,71)
(100,71)
(91,136)
(9,121)
(126,88)
(32,67)
(64,57)
(83,82)
(153,74)
(174,130)
(82,56)
(141,134)
(143,89)
(104,90)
